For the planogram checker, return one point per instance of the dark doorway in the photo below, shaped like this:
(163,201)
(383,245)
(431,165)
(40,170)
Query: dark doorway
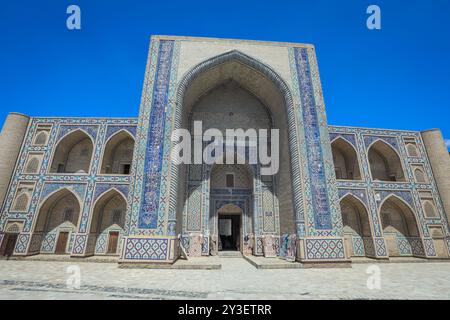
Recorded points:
(9,243)
(230,232)
(61,245)
(112,244)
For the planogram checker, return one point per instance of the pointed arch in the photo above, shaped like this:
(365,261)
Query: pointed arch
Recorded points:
(385,163)
(107,221)
(419,175)
(356,225)
(345,157)
(41,138)
(430,209)
(271,90)
(399,224)
(22,202)
(32,165)
(412,150)
(112,199)
(118,153)
(59,214)
(73,153)
(50,202)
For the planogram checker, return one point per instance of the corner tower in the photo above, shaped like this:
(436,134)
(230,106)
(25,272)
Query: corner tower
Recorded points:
(11,139)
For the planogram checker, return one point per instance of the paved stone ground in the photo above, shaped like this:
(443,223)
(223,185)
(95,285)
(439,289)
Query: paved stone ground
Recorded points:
(237,279)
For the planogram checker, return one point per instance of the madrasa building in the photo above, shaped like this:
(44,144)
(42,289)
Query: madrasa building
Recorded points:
(85,187)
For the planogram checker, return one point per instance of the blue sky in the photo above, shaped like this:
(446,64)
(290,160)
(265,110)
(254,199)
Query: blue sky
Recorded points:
(398,77)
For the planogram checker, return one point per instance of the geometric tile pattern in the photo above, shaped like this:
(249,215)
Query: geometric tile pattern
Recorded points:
(146,249)
(100,247)
(22,243)
(404,246)
(48,243)
(324,249)
(79,244)
(358,246)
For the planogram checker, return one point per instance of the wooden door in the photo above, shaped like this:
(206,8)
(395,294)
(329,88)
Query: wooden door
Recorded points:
(112,243)
(61,245)
(9,243)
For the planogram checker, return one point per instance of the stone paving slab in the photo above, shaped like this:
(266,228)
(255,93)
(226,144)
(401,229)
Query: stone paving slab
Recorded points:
(68,258)
(197,263)
(237,279)
(271,263)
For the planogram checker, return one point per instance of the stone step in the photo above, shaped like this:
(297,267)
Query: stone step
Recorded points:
(230,254)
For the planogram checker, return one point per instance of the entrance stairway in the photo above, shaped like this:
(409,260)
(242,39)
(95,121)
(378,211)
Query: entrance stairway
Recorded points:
(230,254)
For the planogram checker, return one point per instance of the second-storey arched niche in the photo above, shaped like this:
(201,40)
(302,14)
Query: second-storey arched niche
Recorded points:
(73,154)
(385,164)
(118,154)
(345,159)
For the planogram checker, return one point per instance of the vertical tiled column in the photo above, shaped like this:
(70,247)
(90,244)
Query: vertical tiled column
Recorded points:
(151,209)
(84,243)
(379,244)
(322,240)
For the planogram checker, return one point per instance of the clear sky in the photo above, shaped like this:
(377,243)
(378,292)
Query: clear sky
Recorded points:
(397,77)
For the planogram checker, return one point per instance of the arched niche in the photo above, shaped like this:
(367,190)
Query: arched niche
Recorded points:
(345,159)
(385,163)
(118,154)
(399,224)
(107,222)
(73,153)
(58,219)
(356,225)
(255,81)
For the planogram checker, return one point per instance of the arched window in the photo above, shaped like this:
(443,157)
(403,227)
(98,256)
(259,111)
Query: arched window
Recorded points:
(41,138)
(430,211)
(32,165)
(118,154)
(21,203)
(13,228)
(412,150)
(345,160)
(385,164)
(420,176)
(73,154)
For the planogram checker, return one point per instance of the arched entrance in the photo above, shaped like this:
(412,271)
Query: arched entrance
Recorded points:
(107,224)
(232,206)
(399,227)
(229,228)
(355,220)
(233,91)
(385,163)
(57,222)
(8,243)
